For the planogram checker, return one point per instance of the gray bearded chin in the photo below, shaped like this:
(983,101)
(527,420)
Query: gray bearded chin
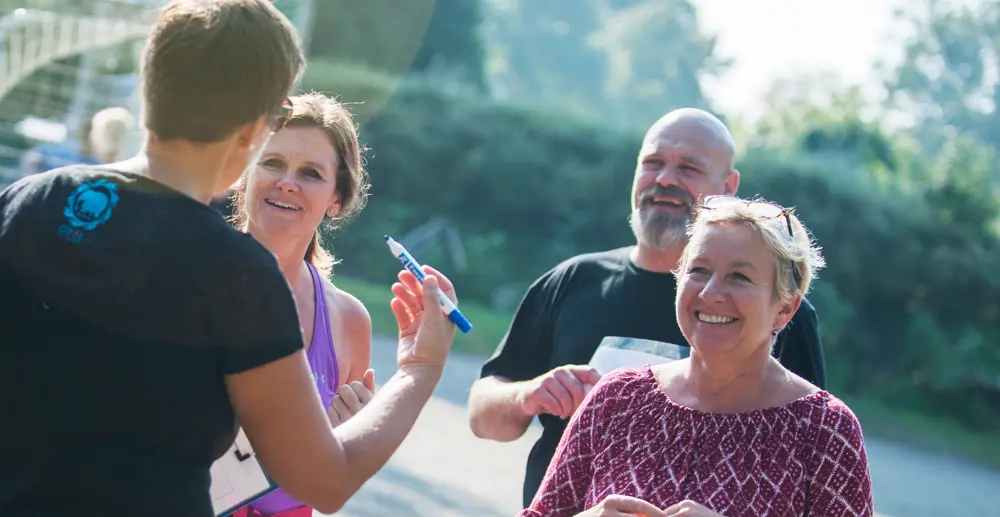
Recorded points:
(659,230)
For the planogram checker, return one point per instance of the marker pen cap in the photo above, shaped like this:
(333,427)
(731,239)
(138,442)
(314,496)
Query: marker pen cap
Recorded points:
(460,321)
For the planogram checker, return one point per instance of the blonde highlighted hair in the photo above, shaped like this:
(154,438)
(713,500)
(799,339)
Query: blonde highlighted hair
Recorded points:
(797,258)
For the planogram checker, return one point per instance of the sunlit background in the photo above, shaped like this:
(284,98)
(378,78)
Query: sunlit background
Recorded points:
(502,137)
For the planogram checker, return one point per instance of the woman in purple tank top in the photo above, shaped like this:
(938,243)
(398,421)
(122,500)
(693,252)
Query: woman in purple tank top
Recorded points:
(310,176)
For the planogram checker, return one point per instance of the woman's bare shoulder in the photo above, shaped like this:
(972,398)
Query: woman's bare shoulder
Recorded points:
(346,307)
(794,387)
(355,327)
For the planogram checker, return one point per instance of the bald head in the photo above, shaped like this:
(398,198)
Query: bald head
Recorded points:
(686,155)
(696,124)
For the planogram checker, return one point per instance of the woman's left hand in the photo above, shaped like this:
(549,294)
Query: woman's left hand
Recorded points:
(689,508)
(351,398)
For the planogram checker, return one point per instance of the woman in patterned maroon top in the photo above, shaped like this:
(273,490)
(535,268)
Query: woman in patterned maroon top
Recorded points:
(729,431)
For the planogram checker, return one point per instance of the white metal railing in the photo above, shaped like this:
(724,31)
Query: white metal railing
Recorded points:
(30,40)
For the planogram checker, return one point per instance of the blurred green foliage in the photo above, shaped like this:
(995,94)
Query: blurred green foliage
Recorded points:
(908,305)
(516,124)
(437,36)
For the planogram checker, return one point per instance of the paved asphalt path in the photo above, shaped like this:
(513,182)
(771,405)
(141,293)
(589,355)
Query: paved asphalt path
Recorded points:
(443,470)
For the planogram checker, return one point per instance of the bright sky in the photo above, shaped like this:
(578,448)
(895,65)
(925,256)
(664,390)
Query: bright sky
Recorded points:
(770,39)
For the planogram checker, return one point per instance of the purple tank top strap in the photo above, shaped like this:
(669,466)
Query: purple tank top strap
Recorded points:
(322,338)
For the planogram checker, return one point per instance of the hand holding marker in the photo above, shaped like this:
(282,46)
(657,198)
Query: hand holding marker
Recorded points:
(411,264)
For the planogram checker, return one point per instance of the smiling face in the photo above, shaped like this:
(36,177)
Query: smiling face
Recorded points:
(686,155)
(293,187)
(725,293)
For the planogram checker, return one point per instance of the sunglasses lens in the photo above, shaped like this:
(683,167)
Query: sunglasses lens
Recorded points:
(719,201)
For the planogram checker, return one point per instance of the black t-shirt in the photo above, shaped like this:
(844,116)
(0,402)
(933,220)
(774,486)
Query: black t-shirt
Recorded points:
(224,205)
(123,306)
(569,310)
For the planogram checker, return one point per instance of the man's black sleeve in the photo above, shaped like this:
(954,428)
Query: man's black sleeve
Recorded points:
(525,352)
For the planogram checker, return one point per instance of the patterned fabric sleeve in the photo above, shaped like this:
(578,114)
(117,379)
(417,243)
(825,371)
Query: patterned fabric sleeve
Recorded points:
(841,482)
(563,492)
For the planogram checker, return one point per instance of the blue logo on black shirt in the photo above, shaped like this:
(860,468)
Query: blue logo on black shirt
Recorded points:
(88,207)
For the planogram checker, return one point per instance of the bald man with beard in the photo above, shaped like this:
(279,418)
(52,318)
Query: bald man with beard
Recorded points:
(541,366)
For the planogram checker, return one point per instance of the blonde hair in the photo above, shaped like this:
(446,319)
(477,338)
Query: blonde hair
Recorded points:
(333,118)
(797,257)
(109,130)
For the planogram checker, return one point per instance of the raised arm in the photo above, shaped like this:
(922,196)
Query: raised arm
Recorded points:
(280,411)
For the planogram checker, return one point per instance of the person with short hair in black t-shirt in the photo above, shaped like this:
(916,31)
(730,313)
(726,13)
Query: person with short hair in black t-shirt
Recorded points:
(541,366)
(139,326)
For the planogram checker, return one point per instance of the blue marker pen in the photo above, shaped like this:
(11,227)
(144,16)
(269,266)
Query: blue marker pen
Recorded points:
(447,307)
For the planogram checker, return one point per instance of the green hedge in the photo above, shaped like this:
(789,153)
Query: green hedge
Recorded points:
(517,182)
(908,305)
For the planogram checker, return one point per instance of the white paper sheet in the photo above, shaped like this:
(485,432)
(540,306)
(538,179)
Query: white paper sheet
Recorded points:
(237,478)
(628,352)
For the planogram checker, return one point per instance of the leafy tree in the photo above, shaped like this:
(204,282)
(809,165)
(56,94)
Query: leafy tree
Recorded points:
(818,115)
(397,37)
(625,61)
(452,42)
(948,76)
(566,72)
(655,57)
(379,34)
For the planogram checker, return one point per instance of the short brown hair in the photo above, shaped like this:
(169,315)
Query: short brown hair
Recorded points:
(211,66)
(334,119)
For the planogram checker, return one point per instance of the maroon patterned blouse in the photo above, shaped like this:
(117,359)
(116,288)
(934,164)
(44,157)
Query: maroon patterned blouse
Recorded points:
(806,458)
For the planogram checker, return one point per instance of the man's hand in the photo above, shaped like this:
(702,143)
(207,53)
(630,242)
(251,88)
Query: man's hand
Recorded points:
(350,398)
(558,392)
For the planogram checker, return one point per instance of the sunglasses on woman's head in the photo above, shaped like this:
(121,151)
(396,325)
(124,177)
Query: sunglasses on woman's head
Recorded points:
(761,208)
(284,113)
